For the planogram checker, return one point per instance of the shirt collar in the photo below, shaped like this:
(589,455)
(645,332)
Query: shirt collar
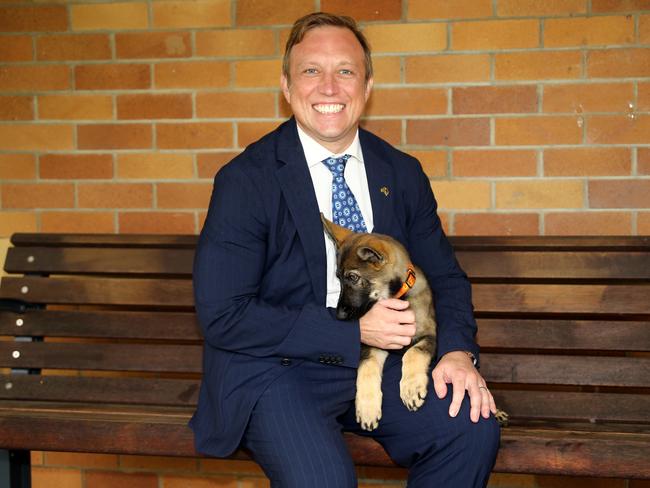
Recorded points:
(315,153)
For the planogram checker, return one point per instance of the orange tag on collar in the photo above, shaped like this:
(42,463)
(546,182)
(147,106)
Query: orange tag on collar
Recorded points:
(408,283)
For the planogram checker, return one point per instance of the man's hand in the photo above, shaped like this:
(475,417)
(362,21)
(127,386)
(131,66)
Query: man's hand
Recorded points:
(388,324)
(456,368)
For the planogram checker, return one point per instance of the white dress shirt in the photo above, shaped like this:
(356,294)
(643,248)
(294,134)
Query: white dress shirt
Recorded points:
(321,177)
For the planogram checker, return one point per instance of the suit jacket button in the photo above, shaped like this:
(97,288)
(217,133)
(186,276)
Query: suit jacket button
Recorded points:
(285,362)
(321,359)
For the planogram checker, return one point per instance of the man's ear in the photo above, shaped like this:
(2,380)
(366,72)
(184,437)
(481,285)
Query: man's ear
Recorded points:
(284,84)
(335,231)
(368,88)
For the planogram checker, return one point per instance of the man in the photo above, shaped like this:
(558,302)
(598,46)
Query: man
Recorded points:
(279,369)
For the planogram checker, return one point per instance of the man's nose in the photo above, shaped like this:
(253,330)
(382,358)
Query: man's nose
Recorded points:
(328,84)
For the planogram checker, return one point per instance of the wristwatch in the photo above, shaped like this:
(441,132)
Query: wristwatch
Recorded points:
(472,357)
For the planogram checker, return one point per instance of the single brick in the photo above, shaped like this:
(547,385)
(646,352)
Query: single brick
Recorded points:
(259,73)
(209,163)
(494,162)
(539,194)
(643,160)
(434,162)
(588,223)
(467,9)
(155,166)
(643,229)
(604,6)
(154,106)
(249,132)
(462,194)
(195,74)
(109,16)
(588,97)
(17,166)
(16,48)
(115,195)
(112,76)
(236,43)
(389,130)
(365,9)
(195,135)
(34,77)
(11,222)
(199,13)
(63,47)
(499,224)
(159,223)
(618,63)
(235,104)
(587,161)
(588,31)
(494,99)
(105,479)
(75,107)
(36,137)
(630,193)
(16,107)
(114,136)
(447,68)
(90,223)
(38,195)
(45,18)
(151,45)
(449,132)
(386,69)
(644,29)
(76,166)
(495,34)
(618,129)
(538,130)
(184,195)
(538,65)
(81,459)
(407,101)
(526,8)
(423,37)
(644,96)
(158,462)
(266,12)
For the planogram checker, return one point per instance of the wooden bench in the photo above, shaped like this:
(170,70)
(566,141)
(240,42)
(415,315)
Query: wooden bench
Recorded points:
(100,350)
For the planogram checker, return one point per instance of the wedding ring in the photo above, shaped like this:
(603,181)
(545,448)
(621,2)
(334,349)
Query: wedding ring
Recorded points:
(483,387)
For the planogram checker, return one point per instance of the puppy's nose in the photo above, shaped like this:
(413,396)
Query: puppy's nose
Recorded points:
(343,312)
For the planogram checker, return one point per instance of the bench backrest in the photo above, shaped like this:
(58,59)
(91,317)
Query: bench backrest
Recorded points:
(564,323)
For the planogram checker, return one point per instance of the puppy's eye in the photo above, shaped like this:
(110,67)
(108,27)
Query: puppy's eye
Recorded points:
(352,277)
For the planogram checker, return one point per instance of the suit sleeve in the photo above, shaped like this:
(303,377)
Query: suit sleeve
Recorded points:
(432,252)
(228,268)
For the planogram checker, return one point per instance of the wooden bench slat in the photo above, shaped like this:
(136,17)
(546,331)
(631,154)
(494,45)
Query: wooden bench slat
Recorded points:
(551,243)
(89,261)
(123,390)
(107,324)
(99,291)
(104,240)
(564,334)
(522,450)
(104,357)
(566,370)
(558,299)
(522,405)
(509,265)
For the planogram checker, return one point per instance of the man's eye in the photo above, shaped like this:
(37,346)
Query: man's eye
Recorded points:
(346,72)
(311,71)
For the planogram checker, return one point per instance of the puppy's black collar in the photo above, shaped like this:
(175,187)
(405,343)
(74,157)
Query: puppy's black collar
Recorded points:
(408,282)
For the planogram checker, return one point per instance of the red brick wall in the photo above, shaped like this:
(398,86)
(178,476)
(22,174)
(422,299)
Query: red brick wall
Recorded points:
(530,117)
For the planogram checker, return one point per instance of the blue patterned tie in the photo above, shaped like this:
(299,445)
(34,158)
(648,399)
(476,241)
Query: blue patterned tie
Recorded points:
(345,209)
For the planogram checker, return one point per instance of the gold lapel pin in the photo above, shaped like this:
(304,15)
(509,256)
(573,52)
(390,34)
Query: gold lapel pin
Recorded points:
(384,190)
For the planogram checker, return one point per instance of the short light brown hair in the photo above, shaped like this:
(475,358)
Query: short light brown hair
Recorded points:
(322,19)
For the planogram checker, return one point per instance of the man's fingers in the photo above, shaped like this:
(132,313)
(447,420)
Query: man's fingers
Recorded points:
(476,401)
(457,398)
(439,385)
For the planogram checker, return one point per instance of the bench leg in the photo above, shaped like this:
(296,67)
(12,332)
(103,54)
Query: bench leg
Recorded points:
(15,469)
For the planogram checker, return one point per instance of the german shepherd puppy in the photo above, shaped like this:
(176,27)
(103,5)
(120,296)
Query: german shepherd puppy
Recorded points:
(371,267)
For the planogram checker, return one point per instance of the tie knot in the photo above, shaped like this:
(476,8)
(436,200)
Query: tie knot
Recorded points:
(337,165)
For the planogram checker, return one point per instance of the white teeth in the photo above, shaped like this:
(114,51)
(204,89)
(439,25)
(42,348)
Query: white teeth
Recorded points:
(329,108)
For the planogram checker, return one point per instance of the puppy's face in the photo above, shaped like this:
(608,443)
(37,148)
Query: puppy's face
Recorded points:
(369,267)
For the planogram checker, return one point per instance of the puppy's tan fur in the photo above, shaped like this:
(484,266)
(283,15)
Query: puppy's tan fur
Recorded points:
(372,267)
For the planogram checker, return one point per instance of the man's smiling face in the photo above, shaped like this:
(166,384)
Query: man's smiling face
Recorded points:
(327,90)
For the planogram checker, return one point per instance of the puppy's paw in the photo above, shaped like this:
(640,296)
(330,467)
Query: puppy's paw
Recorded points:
(368,407)
(413,390)
(502,417)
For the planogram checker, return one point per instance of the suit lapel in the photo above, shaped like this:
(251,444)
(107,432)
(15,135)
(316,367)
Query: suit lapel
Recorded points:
(295,183)
(380,186)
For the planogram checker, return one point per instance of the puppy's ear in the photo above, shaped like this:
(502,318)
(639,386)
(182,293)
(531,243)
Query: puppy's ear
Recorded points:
(371,255)
(336,232)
